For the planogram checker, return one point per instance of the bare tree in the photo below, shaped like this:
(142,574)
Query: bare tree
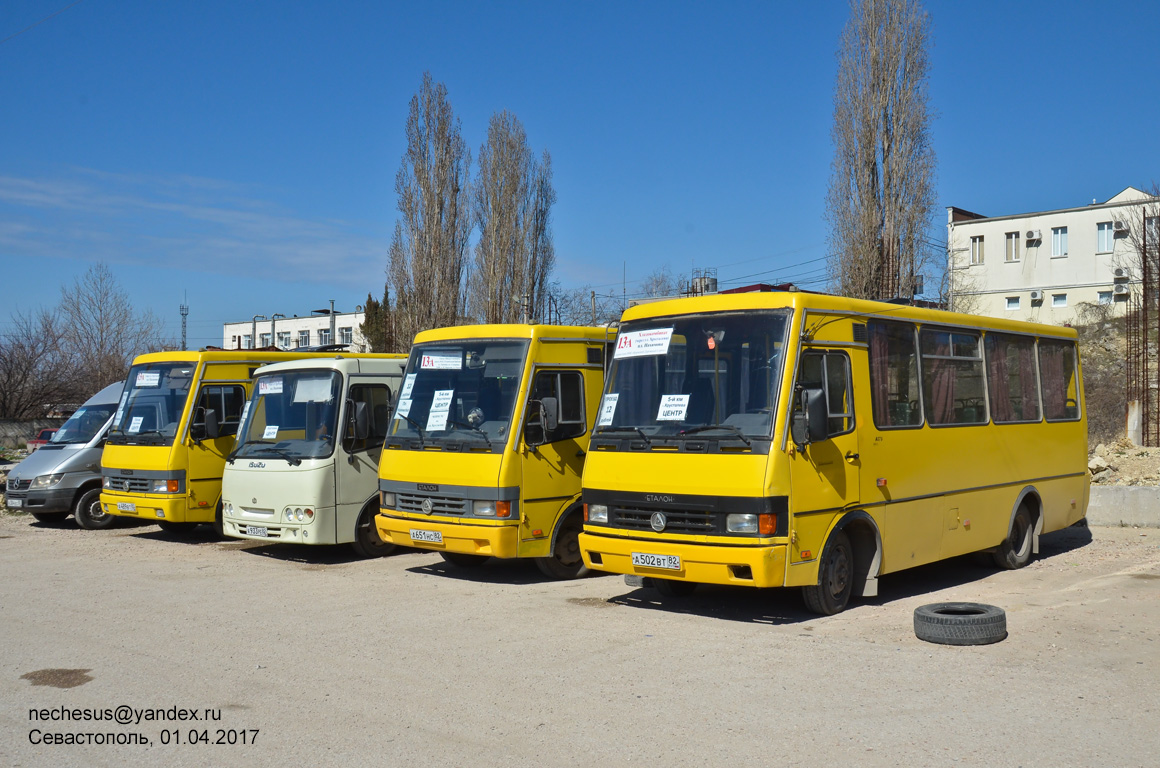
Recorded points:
(34,372)
(513,198)
(881,195)
(428,258)
(661,283)
(101,332)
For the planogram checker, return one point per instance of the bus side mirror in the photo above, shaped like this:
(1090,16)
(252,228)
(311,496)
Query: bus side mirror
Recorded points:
(550,408)
(213,429)
(360,421)
(535,433)
(810,423)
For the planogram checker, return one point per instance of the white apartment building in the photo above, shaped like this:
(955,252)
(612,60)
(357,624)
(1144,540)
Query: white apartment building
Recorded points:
(1042,266)
(294,332)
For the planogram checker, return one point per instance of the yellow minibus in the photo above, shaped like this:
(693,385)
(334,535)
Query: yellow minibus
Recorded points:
(786,438)
(166,450)
(486,448)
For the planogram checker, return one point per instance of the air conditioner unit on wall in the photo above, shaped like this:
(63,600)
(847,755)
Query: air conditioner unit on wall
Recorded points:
(1121,290)
(1121,273)
(1034,234)
(1119,225)
(1037,295)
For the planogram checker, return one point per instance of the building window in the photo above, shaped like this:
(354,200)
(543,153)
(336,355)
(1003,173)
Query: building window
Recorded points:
(284,339)
(346,336)
(324,337)
(1059,241)
(1104,237)
(1012,246)
(1012,303)
(977,249)
(1059,299)
(247,342)
(304,338)
(1152,230)
(264,339)
(1105,297)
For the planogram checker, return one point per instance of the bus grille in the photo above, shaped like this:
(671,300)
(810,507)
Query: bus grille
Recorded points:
(440,505)
(130,484)
(676,521)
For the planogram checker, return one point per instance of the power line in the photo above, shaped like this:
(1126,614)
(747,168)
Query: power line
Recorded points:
(37,24)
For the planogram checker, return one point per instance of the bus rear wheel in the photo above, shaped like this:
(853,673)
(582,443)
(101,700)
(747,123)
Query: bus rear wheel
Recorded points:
(1015,551)
(367,541)
(835,578)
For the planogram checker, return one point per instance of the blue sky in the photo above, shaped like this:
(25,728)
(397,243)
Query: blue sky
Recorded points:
(245,153)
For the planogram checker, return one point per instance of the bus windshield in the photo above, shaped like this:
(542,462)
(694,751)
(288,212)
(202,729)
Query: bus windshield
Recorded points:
(291,415)
(710,376)
(84,424)
(152,404)
(459,392)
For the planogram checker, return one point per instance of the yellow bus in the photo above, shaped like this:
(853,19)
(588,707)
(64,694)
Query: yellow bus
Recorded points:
(165,452)
(773,438)
(487,445)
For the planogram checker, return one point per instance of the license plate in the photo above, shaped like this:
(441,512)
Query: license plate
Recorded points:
(15,503)
(645,560)
(257,530)
(126,506)
(432,537)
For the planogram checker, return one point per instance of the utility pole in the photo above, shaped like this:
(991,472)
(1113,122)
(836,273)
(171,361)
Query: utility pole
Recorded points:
(184,310)
(332,339)
(594,307)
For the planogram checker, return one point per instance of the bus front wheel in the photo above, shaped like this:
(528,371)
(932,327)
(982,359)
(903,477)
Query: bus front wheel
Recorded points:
(1015,551)
(367,542)
(835,578)
(565,561)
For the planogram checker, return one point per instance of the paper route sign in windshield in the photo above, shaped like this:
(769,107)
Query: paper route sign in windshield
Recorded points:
(654,341)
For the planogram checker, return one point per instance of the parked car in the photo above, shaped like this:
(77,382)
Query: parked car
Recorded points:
(42,438)
(64,476)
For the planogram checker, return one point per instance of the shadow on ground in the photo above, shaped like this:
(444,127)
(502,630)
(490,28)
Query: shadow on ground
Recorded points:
(785,606)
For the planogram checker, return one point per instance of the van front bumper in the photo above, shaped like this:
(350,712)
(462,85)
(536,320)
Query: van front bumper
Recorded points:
(175,510)
(501,540)
(751,565)
(42,502)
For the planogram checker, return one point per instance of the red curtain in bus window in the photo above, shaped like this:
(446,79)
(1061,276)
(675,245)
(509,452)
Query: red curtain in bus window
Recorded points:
(879,374)
(942,390)
(1027,381)
(997,350)
(1054,384)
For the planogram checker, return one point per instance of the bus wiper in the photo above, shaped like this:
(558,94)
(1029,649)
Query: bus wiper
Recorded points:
(474,430)
(736,430)
(638,430)
(413,423)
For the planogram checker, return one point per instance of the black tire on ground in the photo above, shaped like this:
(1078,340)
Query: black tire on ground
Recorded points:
(464,560)
(50,517)
(182,529)
(835,577)
(674,588)
(367,542)
(960,623)
(565,561)
(1015,551)
(219,524)
(89,514)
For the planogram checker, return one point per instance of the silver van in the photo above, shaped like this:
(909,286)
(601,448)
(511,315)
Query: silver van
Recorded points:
(64,476)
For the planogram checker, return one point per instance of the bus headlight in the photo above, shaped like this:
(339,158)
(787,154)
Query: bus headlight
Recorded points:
(597,513)
(386,500)
(483,508)
(106,482)
(741,523)
(166,486)
(46,481)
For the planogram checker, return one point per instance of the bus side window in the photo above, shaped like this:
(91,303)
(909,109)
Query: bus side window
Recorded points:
(378,401)
(829,372)
(1057,372)
(227,401)
(894,384)
(568,389)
